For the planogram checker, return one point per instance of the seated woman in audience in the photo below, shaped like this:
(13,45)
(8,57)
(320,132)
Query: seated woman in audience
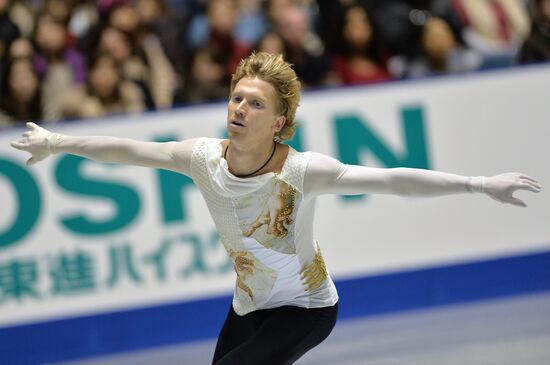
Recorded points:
(206,79)
(440,52)
(20,99)
(143,63)
(361,60)
(59,66)
(105,92)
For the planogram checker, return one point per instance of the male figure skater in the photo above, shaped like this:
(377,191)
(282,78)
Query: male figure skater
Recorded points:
(261,194)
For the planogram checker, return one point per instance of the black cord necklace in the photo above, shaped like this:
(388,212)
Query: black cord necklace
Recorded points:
(261,167)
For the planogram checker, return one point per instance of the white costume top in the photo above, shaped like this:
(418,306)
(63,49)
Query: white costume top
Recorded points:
(265,223)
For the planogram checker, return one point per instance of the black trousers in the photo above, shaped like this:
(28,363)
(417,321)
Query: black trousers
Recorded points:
(276,336)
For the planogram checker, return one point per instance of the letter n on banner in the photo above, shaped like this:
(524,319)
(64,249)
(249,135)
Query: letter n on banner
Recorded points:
(354,137)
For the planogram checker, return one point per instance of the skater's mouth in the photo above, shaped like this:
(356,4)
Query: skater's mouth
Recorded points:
(237,123)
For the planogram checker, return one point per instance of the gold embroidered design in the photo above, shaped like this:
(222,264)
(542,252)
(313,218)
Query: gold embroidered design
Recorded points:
(254,279)
(314,274)
(243,266)
(277,212)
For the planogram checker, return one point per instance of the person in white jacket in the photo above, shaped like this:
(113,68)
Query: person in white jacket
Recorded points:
(261,195)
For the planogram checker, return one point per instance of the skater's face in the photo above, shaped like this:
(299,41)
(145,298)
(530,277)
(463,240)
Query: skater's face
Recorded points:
(252,111)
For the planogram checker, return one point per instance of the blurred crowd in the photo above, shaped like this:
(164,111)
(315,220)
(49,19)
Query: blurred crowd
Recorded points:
(71,59)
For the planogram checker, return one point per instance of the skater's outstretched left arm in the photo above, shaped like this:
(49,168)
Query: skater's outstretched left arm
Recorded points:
(41,143)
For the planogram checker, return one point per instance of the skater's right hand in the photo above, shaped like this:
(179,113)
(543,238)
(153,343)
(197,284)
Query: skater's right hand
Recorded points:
(502,187)
(36,141)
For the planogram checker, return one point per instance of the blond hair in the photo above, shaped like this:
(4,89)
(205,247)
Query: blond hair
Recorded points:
(273,69)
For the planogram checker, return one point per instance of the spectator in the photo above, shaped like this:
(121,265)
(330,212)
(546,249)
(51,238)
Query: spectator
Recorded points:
(303,48)
(150,69)
(59,66)
(218,33)
(105,92)
(122,15)
(441,53)
(145,37)
(120,47)
(156,19)
(60,10)
(401,22)
(207,79)
(159,37)
(536,47)
(21,98)
(21,48)
(146,63)
(276,10)
(361,60)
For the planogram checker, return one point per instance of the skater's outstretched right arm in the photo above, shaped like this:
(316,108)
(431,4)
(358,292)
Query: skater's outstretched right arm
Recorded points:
(41,143)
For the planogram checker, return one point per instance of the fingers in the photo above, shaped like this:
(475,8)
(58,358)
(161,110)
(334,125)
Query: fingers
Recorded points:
(526,177)
(532,187)
(26,134)
(528,185)
(32,126)
(531,182)
(18,145)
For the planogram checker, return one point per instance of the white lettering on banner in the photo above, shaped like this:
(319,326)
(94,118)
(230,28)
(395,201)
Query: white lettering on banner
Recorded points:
(82,237)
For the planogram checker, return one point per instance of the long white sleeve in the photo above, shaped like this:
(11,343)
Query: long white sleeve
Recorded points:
(326,175)
(175,156)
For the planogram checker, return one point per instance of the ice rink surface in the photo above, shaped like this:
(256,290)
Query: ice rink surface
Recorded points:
(507,331)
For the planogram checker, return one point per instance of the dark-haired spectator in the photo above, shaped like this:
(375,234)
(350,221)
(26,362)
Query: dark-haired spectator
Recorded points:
(122,49)
(536,47)
(59,66)
(123,15)
(207,79)
(362,58)
(20,90)
(441,53)
(105,93)
(157,19)
(401,22)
